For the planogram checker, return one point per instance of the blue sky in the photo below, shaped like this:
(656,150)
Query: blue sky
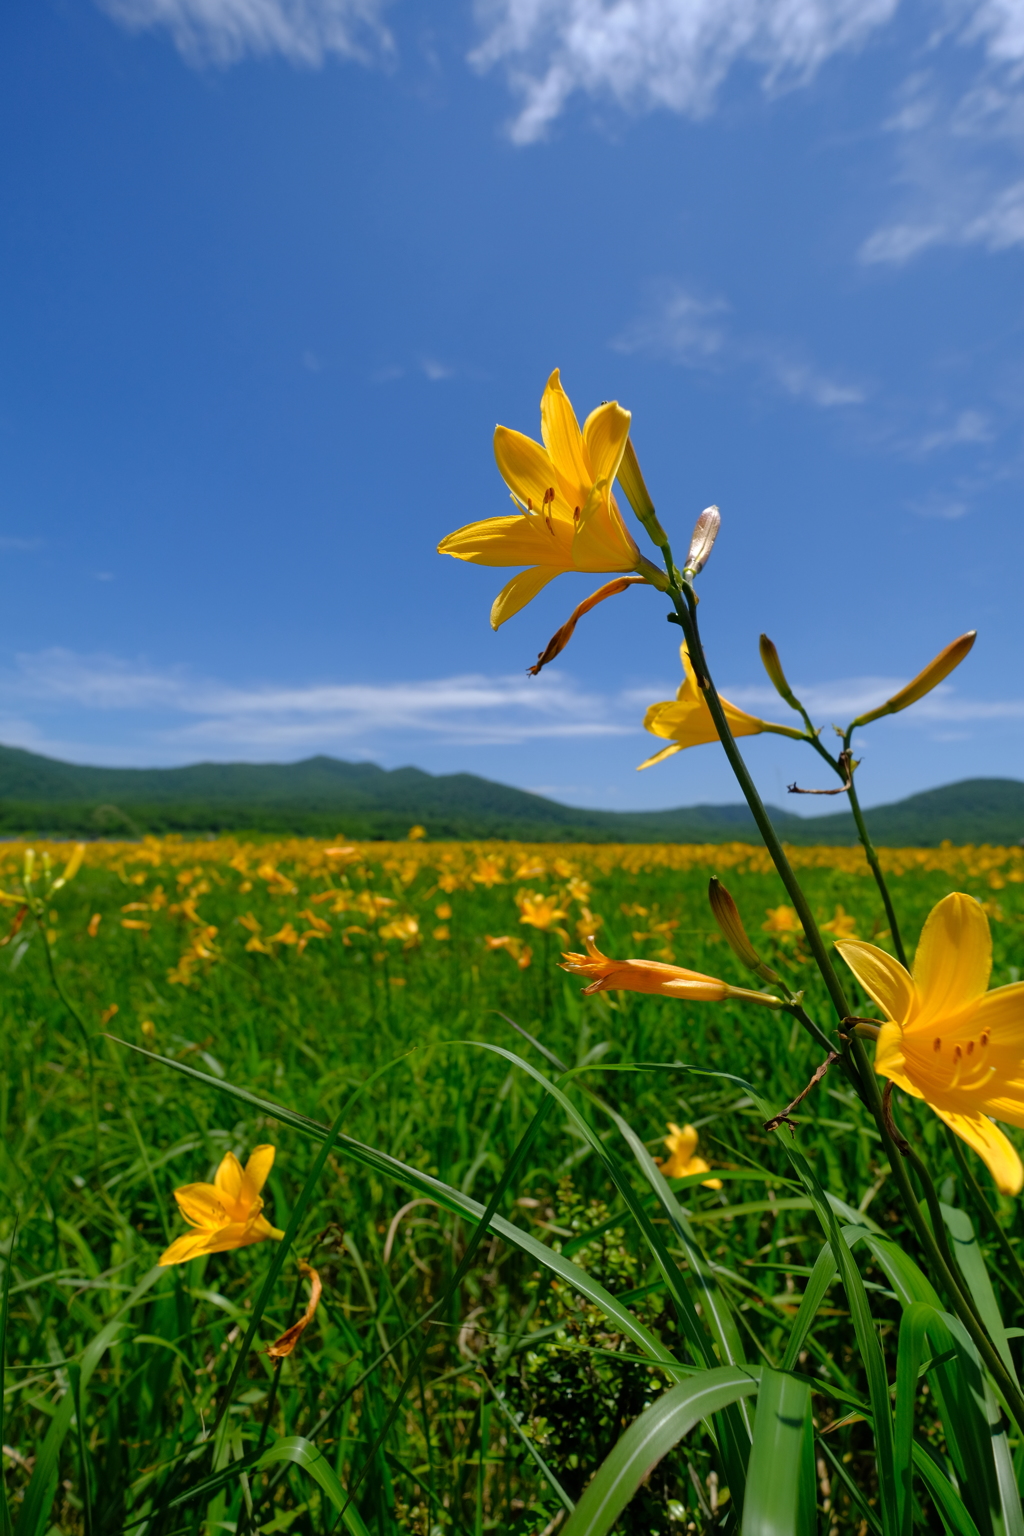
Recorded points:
(273,269)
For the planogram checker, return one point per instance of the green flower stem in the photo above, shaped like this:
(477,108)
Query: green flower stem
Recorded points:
(931,1244)
(862,831)
(861,1069)
(872,858)
(687,613)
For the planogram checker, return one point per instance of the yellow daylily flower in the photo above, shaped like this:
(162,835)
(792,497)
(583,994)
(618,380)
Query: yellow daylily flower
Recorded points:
(607,975)
(567,519)
(539,911)
(227,1213)
(681,1142)
(687,722)
(946,1039)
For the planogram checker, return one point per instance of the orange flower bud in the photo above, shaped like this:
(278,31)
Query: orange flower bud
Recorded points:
(607,975)
(924,682)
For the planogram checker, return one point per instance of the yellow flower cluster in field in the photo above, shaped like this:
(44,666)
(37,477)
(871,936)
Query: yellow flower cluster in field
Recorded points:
(465,865)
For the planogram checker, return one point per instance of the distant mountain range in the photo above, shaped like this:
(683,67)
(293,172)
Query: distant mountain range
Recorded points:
(324,796)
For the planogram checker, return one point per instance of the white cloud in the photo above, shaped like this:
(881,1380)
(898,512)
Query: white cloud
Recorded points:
(659,53)
(804,383)
(678,326)
(195,714)
(686,328)
(223,31)
(968,427)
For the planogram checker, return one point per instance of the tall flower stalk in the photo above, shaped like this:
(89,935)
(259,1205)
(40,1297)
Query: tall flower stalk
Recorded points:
(698,715)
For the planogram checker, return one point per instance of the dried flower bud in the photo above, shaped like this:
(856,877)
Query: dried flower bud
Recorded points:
(937,669)
(773,666)
(637,494)
(705,532)
(726,915)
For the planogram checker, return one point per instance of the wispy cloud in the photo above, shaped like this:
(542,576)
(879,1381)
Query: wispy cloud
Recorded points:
(169,715)
(645,54)
(958,144)
(224,31)
(178,709)
(678,325)
(697,331)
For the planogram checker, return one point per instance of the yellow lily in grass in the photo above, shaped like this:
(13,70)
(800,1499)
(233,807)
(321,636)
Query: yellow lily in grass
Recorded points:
(946,1039)
(687,722)
(227,1213)
(567,519)
(682,1160)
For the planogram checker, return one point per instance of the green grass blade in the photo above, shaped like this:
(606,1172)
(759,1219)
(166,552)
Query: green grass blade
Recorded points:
(75,1379)
(968,1254)
(780,1496)
(913,1348)
(5,1513)
(304,1454)
(39,1494)
(449,1199)
(695,1333)
(868,1344)
(952,1511)
(648,1439)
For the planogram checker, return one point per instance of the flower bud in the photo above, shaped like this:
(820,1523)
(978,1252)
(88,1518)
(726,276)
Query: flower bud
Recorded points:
(924,682)
(726,915)
(637,494)
(705,532)
(773,666)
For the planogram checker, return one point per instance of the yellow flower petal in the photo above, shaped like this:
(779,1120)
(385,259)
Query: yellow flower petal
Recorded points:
(659,757)
(992,1146)
(201,1204)
(501,541)
(532,477)
(228,1179)
(515,594)
(604,435)
(184,1248)
(236,1234)
(891,1060)
(561,433)
(261,1160)
(954,956)
(889,985)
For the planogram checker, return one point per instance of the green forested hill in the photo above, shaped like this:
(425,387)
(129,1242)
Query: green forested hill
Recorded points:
(323,795)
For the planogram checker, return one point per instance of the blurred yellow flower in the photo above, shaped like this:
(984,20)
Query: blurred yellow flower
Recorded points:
(405,928)
(686,721)
(946,1039)
(539,911)
(227,1213)
(782,920)
(842,926)
(681,1142)
(521,953)
(567,519)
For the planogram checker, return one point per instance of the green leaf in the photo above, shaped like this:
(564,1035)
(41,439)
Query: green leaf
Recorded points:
(304,1454)
(968,1254)
(780,1498)
(5,1513)
(448,1198)
(42,1486)
(648,1439)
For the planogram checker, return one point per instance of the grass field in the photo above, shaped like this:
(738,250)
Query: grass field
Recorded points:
(383,977)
